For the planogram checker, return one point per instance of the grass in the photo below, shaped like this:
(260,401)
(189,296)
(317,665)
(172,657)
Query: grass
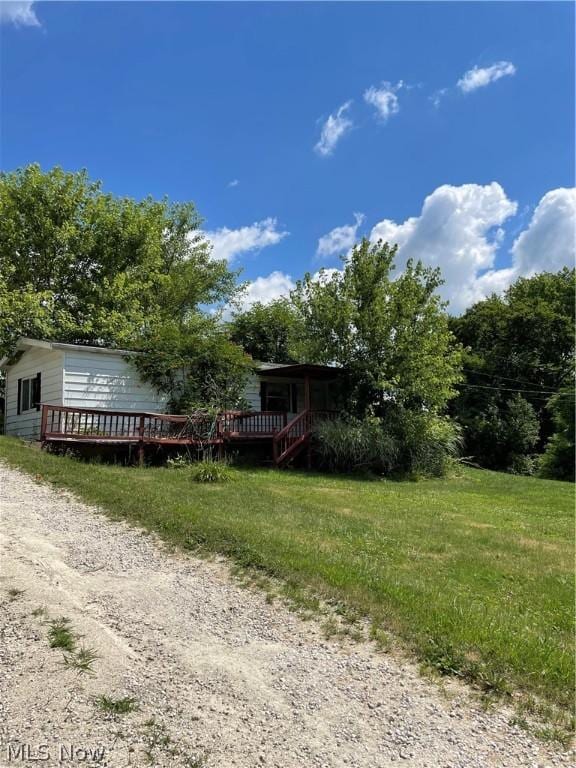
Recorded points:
(474,573)
(116,706)
(60,635)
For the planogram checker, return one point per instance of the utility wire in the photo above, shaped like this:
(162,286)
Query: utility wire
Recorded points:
(514,389)
(499,376)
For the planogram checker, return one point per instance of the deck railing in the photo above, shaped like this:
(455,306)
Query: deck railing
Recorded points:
(296,434)
(66,422)
(252,423)
(60,422)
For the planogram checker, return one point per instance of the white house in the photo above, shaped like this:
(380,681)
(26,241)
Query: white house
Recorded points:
(71,375)
(78,376)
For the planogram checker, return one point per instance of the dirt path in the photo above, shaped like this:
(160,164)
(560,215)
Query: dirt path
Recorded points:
(221,677)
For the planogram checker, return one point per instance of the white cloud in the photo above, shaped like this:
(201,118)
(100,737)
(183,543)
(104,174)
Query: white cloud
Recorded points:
(384,99)
(18,12)
(460,230)
(457,230)
(479,77)
(335,127)
(437,96)
(233,183)
(549,241)
(230,243)
(265,289)
(339,239)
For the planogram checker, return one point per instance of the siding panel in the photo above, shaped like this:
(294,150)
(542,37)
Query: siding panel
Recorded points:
(49,363)
(95,380)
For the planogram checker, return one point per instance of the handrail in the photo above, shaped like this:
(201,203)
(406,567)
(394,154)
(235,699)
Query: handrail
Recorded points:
(296,433)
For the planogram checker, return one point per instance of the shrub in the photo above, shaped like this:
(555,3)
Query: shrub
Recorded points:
(206,470)
(210,471)
(405,442)
(427,441)
(347,445)
(557,461)
(505,435)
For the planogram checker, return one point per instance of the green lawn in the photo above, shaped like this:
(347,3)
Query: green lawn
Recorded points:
(473,573)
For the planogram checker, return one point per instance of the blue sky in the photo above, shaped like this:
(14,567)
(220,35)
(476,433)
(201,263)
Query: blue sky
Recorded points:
(468,106)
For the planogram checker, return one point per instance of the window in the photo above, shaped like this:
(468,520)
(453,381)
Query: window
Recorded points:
(278,397)
(29,393)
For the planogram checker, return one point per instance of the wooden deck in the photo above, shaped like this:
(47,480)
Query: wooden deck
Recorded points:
(64,424)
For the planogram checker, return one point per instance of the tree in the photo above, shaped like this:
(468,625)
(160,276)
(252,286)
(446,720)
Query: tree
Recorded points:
(82,265)
(266,331)
(389,332)
(195,364)
(523,343)
(559,459)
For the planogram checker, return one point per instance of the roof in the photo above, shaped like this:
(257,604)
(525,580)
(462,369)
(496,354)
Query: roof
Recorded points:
(288,370)
(25,343)
(299,370)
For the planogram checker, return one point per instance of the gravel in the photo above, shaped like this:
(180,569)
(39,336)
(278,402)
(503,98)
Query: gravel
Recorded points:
(221,677)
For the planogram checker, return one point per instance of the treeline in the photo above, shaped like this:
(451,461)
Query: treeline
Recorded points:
(516,403)
(495,386)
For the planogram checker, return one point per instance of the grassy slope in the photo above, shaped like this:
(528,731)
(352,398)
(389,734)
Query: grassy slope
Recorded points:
(474,573)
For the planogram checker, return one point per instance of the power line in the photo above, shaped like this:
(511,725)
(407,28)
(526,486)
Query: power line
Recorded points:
(499,376)
(514,389)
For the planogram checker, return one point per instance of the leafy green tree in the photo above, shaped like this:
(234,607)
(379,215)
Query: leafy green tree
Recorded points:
(559,460)
(519,343)
(195,364)
(82,265)
(390,332)
(266,331)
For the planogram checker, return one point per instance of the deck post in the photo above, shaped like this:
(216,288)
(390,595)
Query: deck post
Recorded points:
(141,441)
(43,422)
(306,393)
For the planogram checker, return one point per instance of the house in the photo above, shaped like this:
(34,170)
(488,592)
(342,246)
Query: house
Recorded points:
(63,393)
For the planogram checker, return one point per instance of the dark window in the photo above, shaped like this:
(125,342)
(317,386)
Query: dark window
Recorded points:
(279,397)
(29,393)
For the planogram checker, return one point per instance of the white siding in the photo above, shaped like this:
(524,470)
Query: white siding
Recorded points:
(252,392)
(107,380)
(49,364)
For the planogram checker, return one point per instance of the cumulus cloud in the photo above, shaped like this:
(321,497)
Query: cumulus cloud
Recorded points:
(458,230)
(335,127)
(18,12)
(339,239)
(233,183)
(549,242)
(480,77)
(384,99)
(230,243)
(265,289)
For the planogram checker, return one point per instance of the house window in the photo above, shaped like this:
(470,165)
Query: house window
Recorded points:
(278,397)
(29,393)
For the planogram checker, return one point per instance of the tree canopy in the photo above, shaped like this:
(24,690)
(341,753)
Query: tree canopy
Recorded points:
(267,331)
(82,265)
(518,345)
(390,332)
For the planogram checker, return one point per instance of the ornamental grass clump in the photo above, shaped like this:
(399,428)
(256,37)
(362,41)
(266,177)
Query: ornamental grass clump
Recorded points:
(211,471)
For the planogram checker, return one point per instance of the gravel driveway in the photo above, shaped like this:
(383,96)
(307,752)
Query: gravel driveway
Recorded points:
(221,677)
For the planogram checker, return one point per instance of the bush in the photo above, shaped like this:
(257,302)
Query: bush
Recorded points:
(427,442)
(558,459)
(404,442)
(504,436)
(207,470)
(348,445)
(210,471)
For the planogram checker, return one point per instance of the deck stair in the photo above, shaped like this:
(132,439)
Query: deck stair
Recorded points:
(296,436)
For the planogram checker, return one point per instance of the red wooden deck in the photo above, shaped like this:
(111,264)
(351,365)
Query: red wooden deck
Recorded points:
(65,424)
